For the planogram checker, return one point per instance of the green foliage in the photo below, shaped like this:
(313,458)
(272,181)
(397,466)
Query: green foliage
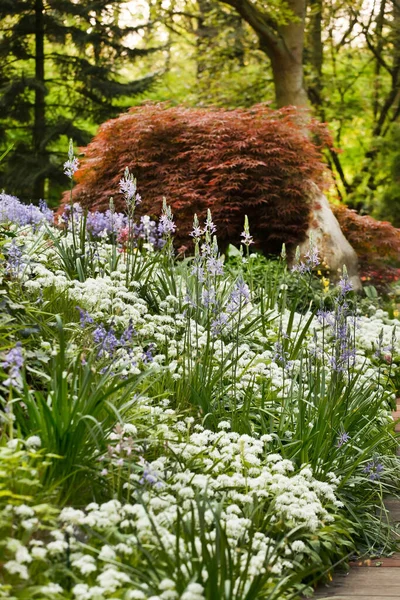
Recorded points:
(62,75)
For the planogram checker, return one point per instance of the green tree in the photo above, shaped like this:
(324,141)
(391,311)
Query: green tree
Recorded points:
(61,73)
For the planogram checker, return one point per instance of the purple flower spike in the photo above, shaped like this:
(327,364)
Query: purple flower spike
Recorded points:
(85,317)
(374,469)
(13,361)
(343,439)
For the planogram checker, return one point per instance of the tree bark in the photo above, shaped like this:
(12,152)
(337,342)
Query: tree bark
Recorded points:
(283,44)
(40,106)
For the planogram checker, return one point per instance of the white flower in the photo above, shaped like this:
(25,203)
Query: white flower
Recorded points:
(22,555)
(107,553)
(51,588)
(129,428)
(57,547)
(298,546)
(24,511)
(38,553)
(16,568)
(33,441)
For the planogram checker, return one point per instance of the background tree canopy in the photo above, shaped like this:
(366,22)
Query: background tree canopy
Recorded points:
(67,66)
(62,73)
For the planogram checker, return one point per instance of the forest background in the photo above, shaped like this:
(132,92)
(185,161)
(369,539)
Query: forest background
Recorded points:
(66,66)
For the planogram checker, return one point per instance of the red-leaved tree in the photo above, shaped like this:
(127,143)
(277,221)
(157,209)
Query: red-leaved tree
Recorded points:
(256,162)
(377,244)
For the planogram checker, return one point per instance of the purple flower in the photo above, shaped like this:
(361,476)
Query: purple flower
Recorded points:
(325,317)
(126,337)
(12,210)
(312,257)
(345,285)
(209,226)
(127,187)
(166,225)
(312,260)
(98,223)
(215,266)
(209,297)
(147,355)
(343,439)
(239,296)
(85,317)
(247,239)
(196,232)
(15,262)
(281,356)
(150,476)
(71,166)
(219,324)
(374,469)
(107,340)
(13,362)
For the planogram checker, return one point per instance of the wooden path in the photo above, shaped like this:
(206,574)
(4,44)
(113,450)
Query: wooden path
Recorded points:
(376,579)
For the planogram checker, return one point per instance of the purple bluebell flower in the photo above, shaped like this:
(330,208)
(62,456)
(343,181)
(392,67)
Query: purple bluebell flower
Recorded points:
(209,297)
(127,335)
(106,340)
(15,263)
(150,476)
(71,167)
(127,187)
(325,317)
(209,226)
(166,225)
(215,267)
(312,256)
(247,239)
(197,231)
(312,260)
(72,164)
(281,356)
(12,210)
(99,223)
(374,469)
(13,362)
(345,284)
(343,439)
(147,355)
(84,316)
(239,296)
(219,324)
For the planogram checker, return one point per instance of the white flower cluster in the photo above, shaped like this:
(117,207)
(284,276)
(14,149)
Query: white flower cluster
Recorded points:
(253,358)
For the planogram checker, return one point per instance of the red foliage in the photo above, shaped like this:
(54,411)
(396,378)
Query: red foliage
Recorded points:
(377,244)
(254,161)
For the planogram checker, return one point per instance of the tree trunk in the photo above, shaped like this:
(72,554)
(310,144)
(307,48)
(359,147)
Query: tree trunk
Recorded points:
(287,59)
(288,79)
(40,107)
(283,44)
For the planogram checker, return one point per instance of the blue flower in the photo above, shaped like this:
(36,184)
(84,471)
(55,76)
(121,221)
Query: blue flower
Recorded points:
(374,469)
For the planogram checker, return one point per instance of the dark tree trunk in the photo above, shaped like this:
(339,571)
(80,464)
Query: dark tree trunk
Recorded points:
(40,106)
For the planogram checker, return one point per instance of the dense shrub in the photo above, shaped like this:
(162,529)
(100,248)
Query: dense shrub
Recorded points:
(377,244)
(254,161)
